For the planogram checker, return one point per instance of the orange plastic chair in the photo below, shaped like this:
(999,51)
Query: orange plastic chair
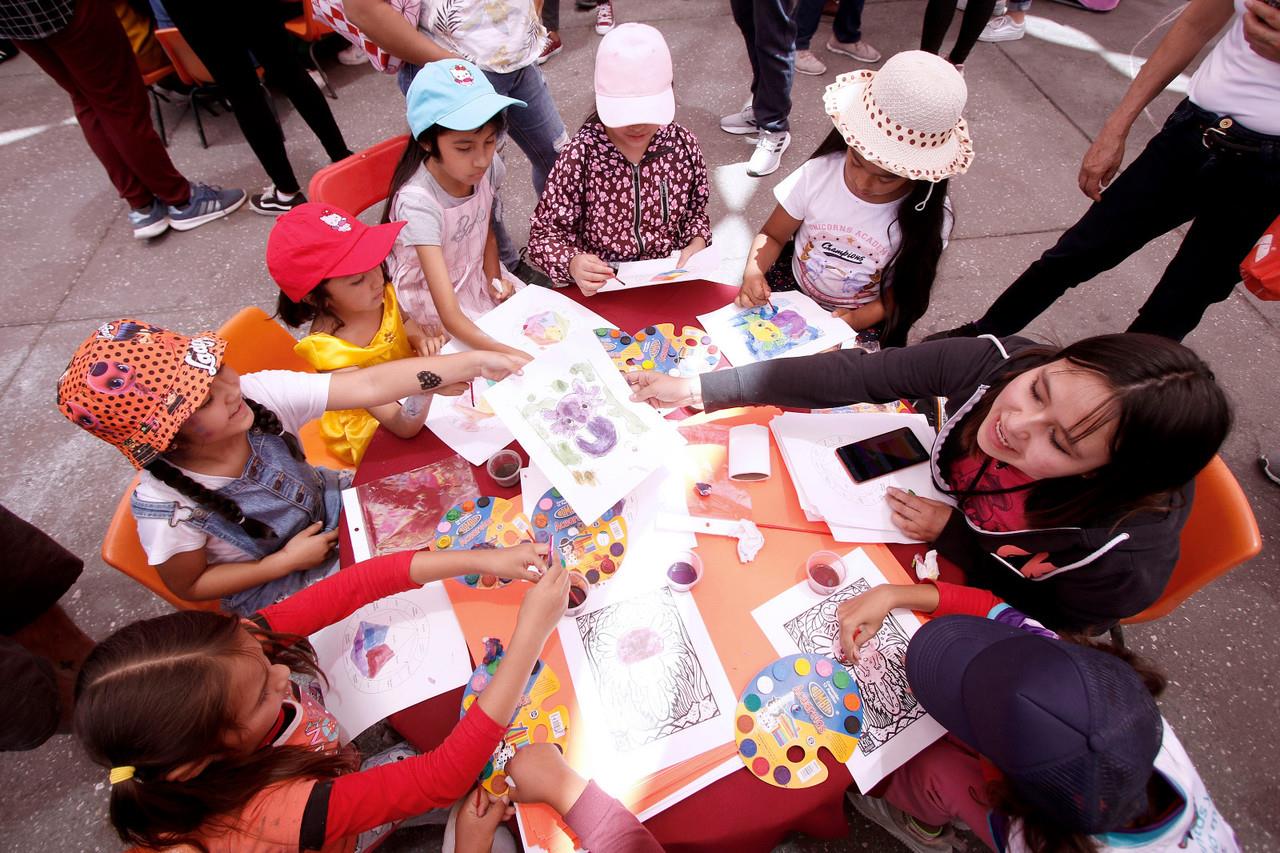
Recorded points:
(311,29)
(361,180)
(193,72)
(1220,534)
(254,342)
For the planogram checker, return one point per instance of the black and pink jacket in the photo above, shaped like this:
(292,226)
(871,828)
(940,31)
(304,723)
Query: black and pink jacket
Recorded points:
(1069,578)
(598,202)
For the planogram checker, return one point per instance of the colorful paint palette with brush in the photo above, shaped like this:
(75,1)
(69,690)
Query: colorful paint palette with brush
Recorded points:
(537,720)
(791,709)
(481,523)
(593,550)
(660,348)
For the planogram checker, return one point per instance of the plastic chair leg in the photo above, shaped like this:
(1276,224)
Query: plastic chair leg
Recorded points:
(1117,636)
(328,89)
(155,102)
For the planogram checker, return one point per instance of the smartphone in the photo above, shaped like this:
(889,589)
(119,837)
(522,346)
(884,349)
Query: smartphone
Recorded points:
(882,454)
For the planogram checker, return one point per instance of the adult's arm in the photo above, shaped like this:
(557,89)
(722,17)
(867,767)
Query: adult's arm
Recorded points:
(388,29)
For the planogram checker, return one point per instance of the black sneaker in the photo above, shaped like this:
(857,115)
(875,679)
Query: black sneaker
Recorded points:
(270,202)
(530,274)
(966,330)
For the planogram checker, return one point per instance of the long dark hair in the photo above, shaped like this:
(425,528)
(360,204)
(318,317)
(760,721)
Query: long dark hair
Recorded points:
(1044,836)
(1170,413)
(427,146)
(265,421)
(156,695)
(914,265)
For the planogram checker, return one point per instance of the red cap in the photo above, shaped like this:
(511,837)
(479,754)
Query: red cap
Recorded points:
(314,242)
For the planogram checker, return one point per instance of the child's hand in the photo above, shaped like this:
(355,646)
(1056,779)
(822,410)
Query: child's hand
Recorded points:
(499,365)
(862,317)
(589,272)
(540,775)
(502,289)
(861,617)
(695,246)
(524,562)
(478,817)
(425,345)
(920,518)
(753,293)
(659,389)
(542,607)
(310,547)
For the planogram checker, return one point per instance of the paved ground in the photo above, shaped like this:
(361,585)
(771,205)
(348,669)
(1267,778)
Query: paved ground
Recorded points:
(1034,105)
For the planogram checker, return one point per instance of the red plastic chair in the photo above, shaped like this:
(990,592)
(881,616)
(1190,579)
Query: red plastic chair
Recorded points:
(254,342)
(360,181)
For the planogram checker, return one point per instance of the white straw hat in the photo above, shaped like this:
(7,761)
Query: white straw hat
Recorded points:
(905,117)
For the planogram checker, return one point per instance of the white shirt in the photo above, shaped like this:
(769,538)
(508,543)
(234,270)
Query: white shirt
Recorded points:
(1235,81)
(497,35)
(1198,828)
(843,243)
(296,398)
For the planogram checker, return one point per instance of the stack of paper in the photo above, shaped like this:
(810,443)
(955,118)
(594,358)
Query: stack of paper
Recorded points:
(855,512)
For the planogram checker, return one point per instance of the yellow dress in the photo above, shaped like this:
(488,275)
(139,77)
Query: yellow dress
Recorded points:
(348,432)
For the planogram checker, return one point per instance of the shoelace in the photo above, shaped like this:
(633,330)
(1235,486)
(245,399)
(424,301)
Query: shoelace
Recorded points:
(604,15)
(770,143)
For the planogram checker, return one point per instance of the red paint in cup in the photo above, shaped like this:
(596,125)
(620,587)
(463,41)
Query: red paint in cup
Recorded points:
(824,571)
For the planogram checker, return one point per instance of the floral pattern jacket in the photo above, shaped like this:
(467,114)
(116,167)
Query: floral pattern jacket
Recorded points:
(596,201)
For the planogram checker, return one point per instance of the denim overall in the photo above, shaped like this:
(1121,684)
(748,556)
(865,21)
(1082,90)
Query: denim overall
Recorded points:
(283,493)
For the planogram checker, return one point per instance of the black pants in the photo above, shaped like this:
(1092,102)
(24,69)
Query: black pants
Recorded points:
(1229,198)
(228,36)
(769,29)
(937,20)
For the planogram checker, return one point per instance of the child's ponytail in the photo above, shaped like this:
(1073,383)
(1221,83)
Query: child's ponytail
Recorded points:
(910,273)
(265,421)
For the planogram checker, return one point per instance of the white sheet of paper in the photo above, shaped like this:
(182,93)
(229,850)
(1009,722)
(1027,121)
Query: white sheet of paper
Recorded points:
(535,319)
(808,443)
(795,325)
(895,727)
(636,274)
(470,429)
(649,683)
(572,413)
(391,654)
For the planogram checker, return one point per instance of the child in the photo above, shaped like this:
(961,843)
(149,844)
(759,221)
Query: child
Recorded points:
(331,271)
(1072,467)
(860,226)
(631,185)
(1052,745)
(212,743)
(227,507)
(445,262)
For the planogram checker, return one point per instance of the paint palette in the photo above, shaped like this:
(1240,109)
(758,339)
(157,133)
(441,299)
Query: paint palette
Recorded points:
(793,707)
(535,721)
(478,524)
(593,550)
(688,353)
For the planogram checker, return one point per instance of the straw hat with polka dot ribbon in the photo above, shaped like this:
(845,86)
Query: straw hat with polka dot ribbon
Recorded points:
(905,117)
(134,385)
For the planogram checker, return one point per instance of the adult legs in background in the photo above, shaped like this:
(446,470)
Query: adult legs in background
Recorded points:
(769,30)
(937,20)
(808,14)
(537,128)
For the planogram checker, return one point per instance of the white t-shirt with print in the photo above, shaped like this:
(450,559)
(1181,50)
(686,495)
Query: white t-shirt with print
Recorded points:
(296,398)
(843,243)
(497,35)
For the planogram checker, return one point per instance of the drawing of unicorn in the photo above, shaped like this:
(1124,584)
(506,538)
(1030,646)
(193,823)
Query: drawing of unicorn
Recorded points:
(574,415)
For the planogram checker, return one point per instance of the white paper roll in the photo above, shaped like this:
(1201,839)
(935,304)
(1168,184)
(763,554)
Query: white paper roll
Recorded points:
(749,452)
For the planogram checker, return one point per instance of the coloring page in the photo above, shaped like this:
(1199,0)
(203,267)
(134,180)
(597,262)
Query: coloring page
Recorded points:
(571,411)
(467,424)
(895,727)
(704,265)
(391,654)
(791,324)
(535,319)
(652,689)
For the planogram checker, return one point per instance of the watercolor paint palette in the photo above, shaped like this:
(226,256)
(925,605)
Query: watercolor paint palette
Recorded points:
(792,708)
(593,550)
(537,720)
(481,523)
(660,348)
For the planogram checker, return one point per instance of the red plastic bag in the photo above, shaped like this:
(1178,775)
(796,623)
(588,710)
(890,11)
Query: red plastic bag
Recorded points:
(1261,267)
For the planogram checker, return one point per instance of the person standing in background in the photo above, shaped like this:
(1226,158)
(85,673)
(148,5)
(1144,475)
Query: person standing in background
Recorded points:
(846,37)
(769,29)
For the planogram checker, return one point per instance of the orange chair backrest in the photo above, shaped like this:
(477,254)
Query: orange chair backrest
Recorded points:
(360,181)
(307,26)
(189,67)
(254,342)
(1220,534)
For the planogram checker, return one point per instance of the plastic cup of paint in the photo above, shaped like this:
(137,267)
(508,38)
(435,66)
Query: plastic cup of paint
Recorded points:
(504,468)
(825,572)
(684,572)
(579,590)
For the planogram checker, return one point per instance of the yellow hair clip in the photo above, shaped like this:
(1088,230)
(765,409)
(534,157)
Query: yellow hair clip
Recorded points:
(121,774)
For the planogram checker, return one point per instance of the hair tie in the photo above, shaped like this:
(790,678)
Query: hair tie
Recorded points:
(121,774)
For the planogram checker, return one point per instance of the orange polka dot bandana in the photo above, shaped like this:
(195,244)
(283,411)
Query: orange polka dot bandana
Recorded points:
(134,385)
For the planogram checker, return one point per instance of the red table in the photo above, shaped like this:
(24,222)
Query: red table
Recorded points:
(739,812)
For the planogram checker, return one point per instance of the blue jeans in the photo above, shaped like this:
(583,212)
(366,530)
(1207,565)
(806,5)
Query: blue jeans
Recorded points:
(769,30)
(847,25)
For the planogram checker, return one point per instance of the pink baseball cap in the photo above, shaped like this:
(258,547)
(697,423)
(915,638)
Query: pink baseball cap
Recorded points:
(633,77)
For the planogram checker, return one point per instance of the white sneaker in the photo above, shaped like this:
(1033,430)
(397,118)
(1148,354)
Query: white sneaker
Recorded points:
(604,17)
(1002,28)
(743,121)
(768,154)
(353,54)
(808,63)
